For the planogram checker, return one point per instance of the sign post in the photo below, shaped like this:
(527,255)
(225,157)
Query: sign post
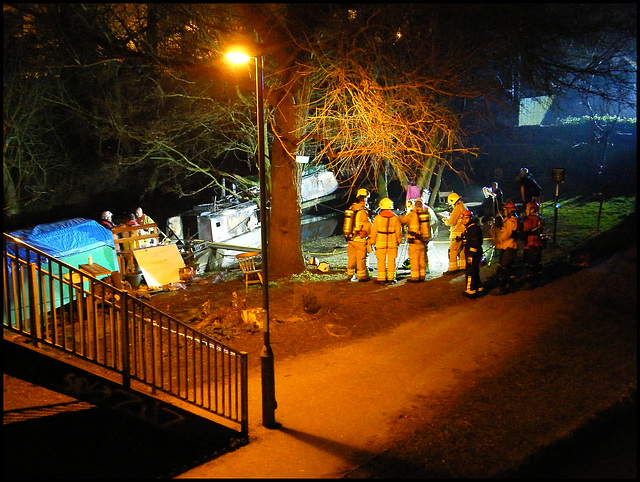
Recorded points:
(558,176)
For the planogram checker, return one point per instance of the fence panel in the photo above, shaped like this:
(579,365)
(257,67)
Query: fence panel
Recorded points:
(65,308)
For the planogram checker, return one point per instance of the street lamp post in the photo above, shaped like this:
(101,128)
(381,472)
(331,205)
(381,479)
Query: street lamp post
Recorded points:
(269,403)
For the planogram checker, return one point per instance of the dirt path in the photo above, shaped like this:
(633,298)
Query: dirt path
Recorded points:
(502,379)
(418,381)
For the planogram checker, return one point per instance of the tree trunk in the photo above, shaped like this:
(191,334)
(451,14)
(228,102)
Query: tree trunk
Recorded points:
(11,197)
(436,187)
(285,232)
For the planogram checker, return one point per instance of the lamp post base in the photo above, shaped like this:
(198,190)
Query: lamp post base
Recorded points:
(269,403)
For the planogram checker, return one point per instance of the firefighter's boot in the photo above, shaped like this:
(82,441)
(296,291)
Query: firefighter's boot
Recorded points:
(502,287)
(529,283)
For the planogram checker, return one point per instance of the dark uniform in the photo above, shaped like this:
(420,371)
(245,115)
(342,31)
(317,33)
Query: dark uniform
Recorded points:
(472,242)
(529,188)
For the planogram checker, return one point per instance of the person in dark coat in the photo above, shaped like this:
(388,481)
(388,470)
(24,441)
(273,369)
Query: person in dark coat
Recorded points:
(492,204)
(472,242)
(530,190)
(106,219)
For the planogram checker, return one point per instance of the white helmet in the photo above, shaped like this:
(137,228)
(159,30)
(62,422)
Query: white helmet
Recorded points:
(453,198)
(385,203)
(409,204)
(106,214)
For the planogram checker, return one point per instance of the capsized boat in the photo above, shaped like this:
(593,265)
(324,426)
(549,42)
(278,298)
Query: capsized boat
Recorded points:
(211,235)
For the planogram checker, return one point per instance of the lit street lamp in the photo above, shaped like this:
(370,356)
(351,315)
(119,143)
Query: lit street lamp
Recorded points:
(269,403)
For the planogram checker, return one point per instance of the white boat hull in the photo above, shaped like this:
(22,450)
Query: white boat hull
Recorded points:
(237,224)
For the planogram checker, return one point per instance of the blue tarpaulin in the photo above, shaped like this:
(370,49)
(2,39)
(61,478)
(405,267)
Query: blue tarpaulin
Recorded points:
(72,241)
(66,238)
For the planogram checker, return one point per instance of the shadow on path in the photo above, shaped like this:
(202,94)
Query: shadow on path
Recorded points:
(78,440)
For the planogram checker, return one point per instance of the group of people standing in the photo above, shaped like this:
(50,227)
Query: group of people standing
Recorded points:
(136,218)
(384,234)
(508,229)
(512,228)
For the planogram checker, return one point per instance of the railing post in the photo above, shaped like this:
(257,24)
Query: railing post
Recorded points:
(30,282)
(34,325)
(244,394)
(126,363)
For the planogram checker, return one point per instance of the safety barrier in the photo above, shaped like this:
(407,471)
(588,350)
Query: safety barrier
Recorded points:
(63,308)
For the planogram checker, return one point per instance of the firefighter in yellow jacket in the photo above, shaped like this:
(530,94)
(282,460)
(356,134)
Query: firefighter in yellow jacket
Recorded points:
(506,240)
(457,260)
(386,236)
(418,228)
(356,229)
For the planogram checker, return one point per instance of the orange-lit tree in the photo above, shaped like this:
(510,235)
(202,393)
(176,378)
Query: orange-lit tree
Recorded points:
(339,104)
(366,128)
(381,90)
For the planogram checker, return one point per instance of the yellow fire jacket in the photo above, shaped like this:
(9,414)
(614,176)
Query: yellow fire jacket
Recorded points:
(456,228)
(505,238)
(386,230)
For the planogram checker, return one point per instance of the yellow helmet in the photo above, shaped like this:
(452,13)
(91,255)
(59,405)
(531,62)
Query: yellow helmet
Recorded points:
(452,198)
(385,203)
(362,192)
(324,267)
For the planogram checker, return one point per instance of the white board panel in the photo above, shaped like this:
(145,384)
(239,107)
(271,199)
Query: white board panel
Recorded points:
(160,265)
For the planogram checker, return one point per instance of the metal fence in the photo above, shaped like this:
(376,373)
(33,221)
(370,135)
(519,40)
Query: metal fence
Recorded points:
(62,307)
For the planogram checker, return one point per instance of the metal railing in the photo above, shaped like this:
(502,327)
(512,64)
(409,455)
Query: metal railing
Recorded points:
(62,307)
